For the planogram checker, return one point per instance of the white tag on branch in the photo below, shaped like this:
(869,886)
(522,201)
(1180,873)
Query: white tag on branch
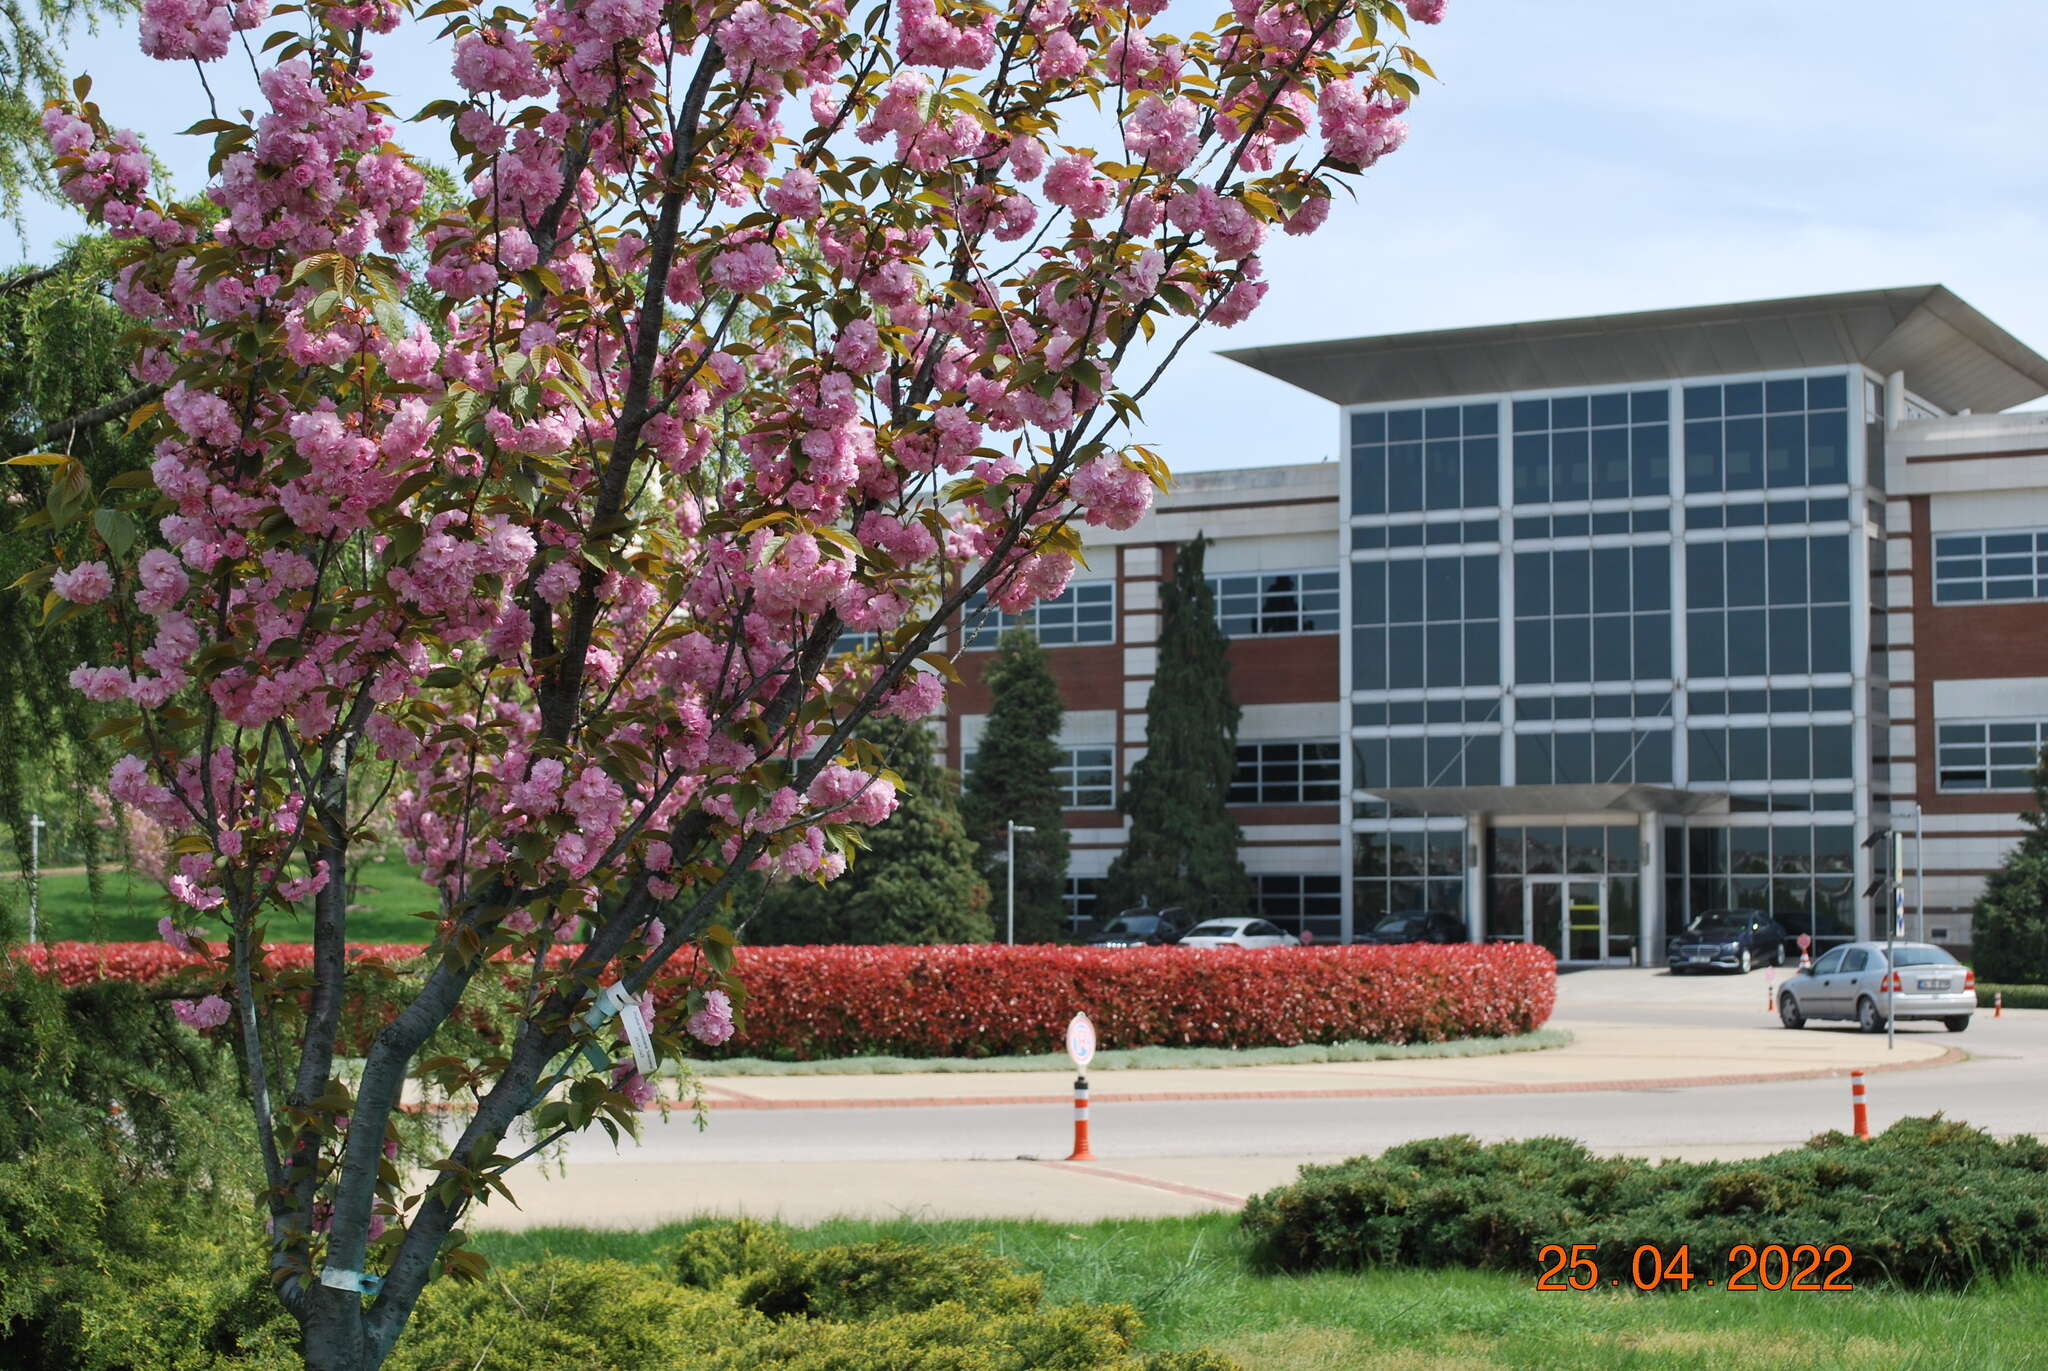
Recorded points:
(614,1000)
(636,1034)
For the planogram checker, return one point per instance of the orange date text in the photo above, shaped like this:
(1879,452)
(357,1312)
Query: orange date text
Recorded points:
(1771,1266)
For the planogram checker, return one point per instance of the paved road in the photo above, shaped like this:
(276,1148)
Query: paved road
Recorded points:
(1183,1155)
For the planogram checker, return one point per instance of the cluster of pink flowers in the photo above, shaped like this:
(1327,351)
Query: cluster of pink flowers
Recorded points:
(174,30)
(202,1015)
(712,1025)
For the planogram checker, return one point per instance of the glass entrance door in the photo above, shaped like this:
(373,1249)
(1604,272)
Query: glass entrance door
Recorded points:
(1568,915)
(1585,933)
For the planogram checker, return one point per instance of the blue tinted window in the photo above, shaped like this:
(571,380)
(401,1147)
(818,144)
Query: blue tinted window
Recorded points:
(1778,434)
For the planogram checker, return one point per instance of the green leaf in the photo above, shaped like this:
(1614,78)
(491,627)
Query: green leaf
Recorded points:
(116,528)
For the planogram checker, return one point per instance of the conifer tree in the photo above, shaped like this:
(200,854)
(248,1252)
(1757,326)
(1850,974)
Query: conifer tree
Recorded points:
(916,882)
(2009,940)
(1183,844)
(1012,779)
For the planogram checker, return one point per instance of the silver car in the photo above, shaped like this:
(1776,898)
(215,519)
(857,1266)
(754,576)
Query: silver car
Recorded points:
(1854,981)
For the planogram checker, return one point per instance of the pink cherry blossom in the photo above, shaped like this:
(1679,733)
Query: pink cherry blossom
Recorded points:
(712,1025)
(88,583)
(202,1015)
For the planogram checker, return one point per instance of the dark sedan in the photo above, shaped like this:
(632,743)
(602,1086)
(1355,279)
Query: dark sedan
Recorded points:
(1142,928)
(1728,940)
(1416,928)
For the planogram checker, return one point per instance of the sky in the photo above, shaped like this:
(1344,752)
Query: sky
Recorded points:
(1574,157)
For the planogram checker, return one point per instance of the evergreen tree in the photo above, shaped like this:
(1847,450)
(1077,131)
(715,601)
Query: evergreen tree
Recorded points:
(2010,941)
(915,883)
(1183,848)
(1013,779)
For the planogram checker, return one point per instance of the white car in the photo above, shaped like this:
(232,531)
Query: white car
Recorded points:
(1855,981)
(1237,933)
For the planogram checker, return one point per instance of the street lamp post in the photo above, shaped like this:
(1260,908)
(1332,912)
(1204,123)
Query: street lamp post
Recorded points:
(35,869)
(1014,829)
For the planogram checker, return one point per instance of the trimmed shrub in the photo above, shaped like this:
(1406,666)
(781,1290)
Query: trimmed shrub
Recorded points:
(1929,1203)
(811,1002)
(870,1280)
(569,1315)
(860,1307)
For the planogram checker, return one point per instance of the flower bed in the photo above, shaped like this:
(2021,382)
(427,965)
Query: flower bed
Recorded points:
(978,1001)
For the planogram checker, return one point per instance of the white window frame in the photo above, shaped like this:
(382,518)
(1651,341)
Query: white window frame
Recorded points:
(1215,580)
(983,628)
(1300,797)
(1976,755)
(2035,577)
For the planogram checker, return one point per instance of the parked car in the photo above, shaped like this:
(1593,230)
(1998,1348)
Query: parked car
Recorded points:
(1854,981)
(1142,928)
(1237,933)
(1731,939)
(1417,927)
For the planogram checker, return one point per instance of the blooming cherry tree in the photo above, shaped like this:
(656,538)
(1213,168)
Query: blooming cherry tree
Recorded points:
(765,337)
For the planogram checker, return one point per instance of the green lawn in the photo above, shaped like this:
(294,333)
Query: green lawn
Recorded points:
(388,896)
(1192,1281)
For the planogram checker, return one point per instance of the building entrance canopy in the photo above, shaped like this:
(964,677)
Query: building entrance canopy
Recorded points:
(1552,799)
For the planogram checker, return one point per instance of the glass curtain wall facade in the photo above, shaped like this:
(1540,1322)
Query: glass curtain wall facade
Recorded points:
(1649,601)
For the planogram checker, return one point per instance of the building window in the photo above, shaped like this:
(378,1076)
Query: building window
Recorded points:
(1298,904)
(1768,607)
(1779,752)
(1445,457)
(1081,898)
(1993,754)
(1756,435)
(1429,622)
(1407,871)
(1264,603)
(1573,448)
(1085,612)
(1291,773)
(1803,877)
(1586,756)
(1971,568)
(1593,614)
(1381,762)
(1086,777)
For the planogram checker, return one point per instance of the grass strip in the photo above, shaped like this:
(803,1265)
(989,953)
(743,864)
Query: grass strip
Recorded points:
(1192,1281)
(1143,1058)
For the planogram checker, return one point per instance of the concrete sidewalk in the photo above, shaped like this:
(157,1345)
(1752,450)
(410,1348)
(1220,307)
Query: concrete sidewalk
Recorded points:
(1602,1056)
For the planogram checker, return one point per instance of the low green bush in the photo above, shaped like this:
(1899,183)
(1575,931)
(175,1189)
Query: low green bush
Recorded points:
(742,1298)
(2016,996)
(871,1280)
(1929,1203)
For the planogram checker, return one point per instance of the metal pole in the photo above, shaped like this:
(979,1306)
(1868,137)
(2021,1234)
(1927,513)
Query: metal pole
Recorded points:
(1919,878)
(35,878)
(1014,828)
(1891,932)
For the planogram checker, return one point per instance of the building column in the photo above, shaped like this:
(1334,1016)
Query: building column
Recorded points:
(1650,894)
(1475,877)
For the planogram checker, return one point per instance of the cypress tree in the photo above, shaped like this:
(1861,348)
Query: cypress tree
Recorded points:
(915,883)
(2009,938)
(1013,779)
(1183,844)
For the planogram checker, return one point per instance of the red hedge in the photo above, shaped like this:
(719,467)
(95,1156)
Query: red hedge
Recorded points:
(982,1001)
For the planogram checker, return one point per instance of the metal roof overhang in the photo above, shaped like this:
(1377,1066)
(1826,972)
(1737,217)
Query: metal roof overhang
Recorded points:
(1552,799)
(1952,355)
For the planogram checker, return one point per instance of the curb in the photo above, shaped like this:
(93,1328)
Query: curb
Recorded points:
(724,1097)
